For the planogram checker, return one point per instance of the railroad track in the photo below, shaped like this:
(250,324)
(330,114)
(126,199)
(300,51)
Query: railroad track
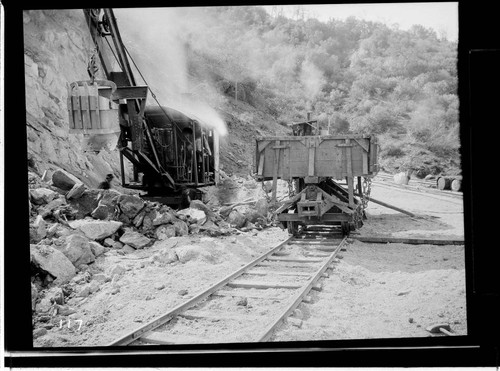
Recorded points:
(248,304)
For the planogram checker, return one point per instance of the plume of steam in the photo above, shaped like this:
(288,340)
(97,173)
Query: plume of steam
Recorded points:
(312,79)
(156,38)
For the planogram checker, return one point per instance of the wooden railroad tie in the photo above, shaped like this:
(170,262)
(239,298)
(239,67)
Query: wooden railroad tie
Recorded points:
(263,285)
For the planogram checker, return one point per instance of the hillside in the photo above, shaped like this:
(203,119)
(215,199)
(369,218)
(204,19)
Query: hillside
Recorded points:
(258,73)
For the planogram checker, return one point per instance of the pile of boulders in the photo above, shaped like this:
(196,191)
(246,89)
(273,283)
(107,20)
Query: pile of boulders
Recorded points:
(72,225)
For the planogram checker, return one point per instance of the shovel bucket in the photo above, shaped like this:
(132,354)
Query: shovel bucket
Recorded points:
(93,115)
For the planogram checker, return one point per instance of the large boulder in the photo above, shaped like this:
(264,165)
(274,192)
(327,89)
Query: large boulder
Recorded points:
(38,229)
(197,204)
(262,207)
(64,180)
(188,252)
(96,248)
(401,178)
(96,229)
(55,204)
(101,212)
(86,203)
(195,215)
(181,228)
(163,216)
(40,196)
(109,197)
(77,250)
(76,192)
(53,262)
(165,231)
(236,219)
(130,205)
(135,239)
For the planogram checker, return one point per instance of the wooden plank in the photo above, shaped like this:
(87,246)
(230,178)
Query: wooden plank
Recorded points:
(261,164)
(294,260)
(365,163)
(277,272)
(310,168)
(411,241)
(217,316)
(275,171)
(276,264)
(245,294)
(350,187)
(262,285)
(389,206)
(285,166)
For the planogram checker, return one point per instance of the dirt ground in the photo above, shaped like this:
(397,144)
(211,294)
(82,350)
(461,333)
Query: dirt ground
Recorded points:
(374,291)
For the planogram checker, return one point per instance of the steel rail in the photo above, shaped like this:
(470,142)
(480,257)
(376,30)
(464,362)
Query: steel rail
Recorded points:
(298,298)
(155,323)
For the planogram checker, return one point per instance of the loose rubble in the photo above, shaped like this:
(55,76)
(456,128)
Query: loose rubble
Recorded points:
(72,227)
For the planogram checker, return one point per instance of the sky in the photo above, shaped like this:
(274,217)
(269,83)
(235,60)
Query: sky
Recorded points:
(442,17)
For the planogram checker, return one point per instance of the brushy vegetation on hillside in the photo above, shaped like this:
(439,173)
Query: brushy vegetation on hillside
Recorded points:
(355,76)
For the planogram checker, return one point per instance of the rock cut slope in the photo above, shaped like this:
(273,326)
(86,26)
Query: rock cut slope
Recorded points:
(57,47)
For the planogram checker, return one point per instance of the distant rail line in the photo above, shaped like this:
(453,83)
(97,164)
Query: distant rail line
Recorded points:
(266,292)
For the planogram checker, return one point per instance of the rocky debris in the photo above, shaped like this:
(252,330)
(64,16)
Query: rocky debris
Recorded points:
(117,269)
(128,249)
(262,207)
(109,242)
(38,229)
(199,205)
(77,250)
(101,212)
(188,252)
(53,262)
(213,229)
(34,296)
(159,286)
(236,219)
(96,229)
(224,211)
(164,215)
(130,205)
(39,332)
(135,239)
(86,203)
(181,228)
(183,292)
(55,295)
(242,302)
(165,256)
(64,310)
(64,180)
(96,248)
(165,231)
(194,215)
(47,210)
(40,196)
(43,306)
(77,191)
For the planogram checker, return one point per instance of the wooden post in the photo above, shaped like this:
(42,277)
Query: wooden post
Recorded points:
(360,187)
(195,160)
(275,171)
(202,140)
(350,180)
(122,169)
